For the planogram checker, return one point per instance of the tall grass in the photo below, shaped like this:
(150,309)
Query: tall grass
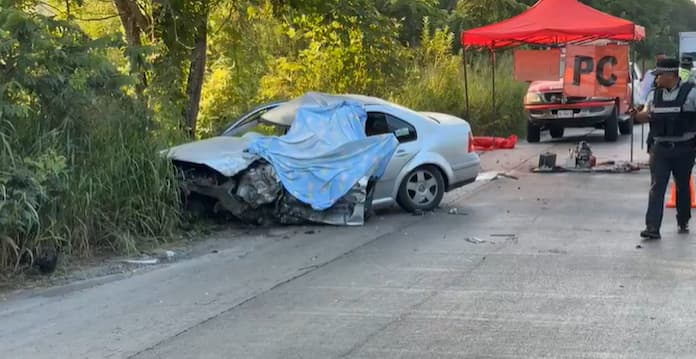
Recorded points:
(79,163)
(438,85)
(111,192)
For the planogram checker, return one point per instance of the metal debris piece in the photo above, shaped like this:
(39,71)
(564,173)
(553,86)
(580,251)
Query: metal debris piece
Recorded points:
(510,235)
(508,176)
(547,160)
(148,261)
(455,211)
(258,185)
(474,240)
(493,175)
(487,176)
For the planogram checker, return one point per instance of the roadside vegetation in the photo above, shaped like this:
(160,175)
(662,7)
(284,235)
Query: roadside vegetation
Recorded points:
(91,90)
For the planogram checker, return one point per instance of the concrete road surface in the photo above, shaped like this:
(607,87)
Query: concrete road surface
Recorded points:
(547,266)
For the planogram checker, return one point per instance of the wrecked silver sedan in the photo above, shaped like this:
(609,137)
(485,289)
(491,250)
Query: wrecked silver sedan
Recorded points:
(322,170)
(435,153)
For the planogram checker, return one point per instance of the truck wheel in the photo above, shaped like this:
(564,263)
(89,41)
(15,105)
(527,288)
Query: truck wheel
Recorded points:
(611,128)
(557,132)
(533,132)
(626,127)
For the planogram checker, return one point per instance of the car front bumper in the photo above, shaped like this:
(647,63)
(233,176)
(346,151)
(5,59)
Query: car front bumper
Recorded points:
(570,115)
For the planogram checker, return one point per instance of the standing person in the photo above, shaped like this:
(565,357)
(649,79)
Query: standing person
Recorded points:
(671,111)
(646,86)
(648,82)
(687,64)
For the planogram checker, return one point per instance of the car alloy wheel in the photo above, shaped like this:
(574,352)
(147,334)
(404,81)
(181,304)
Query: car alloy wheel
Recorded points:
(422,189)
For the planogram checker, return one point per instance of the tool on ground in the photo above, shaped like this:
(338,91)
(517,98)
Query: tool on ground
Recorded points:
(582,154)
(547,160)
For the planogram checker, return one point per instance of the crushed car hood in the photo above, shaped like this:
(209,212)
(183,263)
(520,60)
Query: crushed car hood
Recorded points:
(224,154)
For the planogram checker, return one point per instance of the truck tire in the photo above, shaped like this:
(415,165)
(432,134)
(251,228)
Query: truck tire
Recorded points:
(557,132)
(626,127)
(533,132)
(611,128)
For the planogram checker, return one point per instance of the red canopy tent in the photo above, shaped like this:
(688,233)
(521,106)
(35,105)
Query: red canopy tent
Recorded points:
(548,23)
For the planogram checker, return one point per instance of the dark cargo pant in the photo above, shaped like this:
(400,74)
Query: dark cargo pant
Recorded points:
(668,159)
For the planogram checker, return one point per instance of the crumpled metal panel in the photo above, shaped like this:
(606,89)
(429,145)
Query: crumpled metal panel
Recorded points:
(226,155)
(258,185)
(256,196)
(348,211)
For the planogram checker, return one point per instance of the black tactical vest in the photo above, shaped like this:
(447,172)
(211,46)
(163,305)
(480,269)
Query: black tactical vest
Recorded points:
(668,118)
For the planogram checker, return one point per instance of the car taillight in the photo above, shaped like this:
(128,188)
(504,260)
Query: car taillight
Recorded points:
(471,142)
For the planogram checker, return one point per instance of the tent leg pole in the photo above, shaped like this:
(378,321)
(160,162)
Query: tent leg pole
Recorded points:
(630,69)
(466,82)
(493,109)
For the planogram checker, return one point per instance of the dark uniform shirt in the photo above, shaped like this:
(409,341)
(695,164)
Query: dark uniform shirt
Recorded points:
(671,95)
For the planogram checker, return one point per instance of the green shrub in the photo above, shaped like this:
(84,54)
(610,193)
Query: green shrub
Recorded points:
(79,167)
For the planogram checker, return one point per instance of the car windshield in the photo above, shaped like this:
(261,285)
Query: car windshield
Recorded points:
(255,124)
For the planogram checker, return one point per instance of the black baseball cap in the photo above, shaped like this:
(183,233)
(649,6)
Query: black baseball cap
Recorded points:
(666,65)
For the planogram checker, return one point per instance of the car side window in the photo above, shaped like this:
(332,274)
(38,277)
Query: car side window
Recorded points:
(381,123)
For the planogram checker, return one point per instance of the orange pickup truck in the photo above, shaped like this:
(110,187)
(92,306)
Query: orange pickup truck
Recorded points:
(549,109)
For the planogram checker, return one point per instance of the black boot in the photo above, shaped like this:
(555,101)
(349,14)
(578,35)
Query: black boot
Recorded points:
(651,234)
(683,228)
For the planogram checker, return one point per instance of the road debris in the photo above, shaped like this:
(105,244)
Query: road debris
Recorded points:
(145,261)
(474,240)
(582,160)
(493,175)
(455,211)
(507,235)
(547,160)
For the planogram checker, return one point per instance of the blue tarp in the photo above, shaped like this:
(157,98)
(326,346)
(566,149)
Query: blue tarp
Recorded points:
(326,152)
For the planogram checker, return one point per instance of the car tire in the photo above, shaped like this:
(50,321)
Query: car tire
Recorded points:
(533,132)
(421,190)
(626,127)
(557,132)
(611,128)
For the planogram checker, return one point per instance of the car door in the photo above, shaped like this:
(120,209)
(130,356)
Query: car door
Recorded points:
(379,123)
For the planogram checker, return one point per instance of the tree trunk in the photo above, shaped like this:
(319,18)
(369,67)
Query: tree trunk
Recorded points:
(134,22)
(196,76)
